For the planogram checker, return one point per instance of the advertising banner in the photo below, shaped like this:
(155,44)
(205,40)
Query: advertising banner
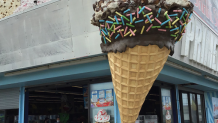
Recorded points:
(215,107)
(207,10)
(102,98)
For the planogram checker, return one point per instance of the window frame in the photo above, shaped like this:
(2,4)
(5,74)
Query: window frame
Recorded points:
(196,101)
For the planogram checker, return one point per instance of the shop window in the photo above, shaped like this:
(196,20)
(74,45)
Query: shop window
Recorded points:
(200,107)
(192,108)
(102,101)
(185,108)
(8,116)
(167,106)
(64,103)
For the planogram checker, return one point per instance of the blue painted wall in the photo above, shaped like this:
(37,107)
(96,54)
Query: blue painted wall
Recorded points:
(209,106)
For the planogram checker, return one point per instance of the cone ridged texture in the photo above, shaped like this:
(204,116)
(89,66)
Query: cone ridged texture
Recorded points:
(133,74)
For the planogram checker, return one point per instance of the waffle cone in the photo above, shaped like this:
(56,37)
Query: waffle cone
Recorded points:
(133,74)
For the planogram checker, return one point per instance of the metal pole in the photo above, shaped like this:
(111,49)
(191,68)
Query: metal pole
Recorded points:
(178,104)
(21,105)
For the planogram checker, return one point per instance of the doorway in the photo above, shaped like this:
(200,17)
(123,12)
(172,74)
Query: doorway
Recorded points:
(159,105)
(152,104)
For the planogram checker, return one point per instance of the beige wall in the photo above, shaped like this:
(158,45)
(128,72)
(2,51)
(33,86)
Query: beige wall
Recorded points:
(7,7)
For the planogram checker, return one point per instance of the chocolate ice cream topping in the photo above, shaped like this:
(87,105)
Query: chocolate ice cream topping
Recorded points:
(155,32)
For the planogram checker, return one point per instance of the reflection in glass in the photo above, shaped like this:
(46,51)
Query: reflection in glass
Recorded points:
(185,108)
(193,108)
(200,109)
(2,116)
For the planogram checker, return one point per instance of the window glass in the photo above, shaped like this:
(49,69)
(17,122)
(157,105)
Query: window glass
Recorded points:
(193,108)
(185,108)
(200,112)
(166,105)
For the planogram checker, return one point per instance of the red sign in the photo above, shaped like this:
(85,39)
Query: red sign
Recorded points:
(215,107)
(207,10)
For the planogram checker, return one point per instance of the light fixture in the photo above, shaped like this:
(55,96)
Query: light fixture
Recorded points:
(48,100)
(78,98)
(44,102)
(78,101)
(77,87)
(44,96)
(172,64)
(154,94)
(57,92)
(210,78)
(152,100)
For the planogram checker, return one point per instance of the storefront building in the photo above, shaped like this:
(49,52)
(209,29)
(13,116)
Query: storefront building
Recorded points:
(51,66)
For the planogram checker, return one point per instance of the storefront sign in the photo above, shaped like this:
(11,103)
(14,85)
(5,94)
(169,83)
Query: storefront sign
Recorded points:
(207,10)
(102,98)
(215,107)
(199,44)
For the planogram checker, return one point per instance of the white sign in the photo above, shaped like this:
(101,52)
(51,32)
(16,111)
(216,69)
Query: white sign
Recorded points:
(147,119)
(151,119)
(200,44)
(215,107)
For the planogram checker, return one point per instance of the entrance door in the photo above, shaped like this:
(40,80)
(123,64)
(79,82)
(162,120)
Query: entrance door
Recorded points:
(191,107)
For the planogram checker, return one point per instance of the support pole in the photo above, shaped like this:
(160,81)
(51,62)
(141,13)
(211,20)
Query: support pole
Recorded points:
(21,105)
(178,104)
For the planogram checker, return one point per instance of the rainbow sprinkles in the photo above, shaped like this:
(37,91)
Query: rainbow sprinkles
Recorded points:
(123,24)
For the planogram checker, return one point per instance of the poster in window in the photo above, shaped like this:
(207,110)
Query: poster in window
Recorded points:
(102,98)
(166,101)
(215,107)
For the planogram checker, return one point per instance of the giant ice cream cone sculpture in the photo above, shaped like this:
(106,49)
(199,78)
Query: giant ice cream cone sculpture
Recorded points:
(7,7)
(133,73)
(138,36)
